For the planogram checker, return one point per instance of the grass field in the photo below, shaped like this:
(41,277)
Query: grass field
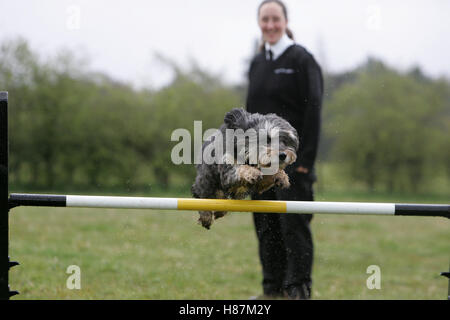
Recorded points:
(136,254)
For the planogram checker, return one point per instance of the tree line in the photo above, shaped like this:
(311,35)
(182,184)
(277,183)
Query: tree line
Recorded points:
(71,128)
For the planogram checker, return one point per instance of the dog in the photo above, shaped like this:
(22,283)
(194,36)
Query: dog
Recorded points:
(245,170)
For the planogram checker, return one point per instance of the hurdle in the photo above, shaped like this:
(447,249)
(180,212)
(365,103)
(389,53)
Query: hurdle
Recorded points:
(10,201)
(275,206)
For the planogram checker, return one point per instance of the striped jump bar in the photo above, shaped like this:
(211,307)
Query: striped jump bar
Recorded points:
(357,208)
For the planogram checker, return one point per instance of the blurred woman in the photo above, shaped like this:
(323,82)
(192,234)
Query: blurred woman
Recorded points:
(285,79)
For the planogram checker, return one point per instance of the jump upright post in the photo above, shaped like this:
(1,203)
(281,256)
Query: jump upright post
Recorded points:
(5,264)
(8,201)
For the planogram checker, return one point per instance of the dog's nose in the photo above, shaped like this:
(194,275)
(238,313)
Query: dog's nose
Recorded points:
(282,156)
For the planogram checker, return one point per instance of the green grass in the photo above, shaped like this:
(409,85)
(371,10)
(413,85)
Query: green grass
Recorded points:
(136,254)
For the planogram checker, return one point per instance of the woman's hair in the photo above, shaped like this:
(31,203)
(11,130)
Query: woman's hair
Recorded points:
(283,7)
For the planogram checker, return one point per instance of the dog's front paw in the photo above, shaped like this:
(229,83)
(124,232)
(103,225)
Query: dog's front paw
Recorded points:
(265,184)
(206,219)
(281,179)
(249,174)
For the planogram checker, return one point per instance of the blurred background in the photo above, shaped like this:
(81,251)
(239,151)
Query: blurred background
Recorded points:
(97,87)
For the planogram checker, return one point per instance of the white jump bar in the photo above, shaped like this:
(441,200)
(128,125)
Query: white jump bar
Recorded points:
(356,208)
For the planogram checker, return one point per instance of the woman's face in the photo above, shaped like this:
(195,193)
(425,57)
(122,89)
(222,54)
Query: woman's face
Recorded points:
(272,22)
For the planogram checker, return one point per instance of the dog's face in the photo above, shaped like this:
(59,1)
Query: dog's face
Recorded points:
(269,139)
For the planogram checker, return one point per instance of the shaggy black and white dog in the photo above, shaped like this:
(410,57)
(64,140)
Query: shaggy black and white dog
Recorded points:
(250,152)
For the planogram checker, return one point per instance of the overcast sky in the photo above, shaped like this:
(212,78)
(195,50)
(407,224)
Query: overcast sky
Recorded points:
(120,37)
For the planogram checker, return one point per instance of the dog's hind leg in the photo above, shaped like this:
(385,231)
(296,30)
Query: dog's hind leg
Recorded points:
(219,214)
(206,219)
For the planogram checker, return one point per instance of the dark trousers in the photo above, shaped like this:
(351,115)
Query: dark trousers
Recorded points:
(285,240)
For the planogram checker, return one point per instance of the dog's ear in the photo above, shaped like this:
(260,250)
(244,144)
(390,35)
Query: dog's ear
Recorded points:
(236,118)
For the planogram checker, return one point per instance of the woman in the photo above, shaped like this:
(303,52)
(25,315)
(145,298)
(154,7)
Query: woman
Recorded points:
(285,79)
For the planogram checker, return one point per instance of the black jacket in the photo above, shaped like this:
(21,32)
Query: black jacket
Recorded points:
(291,87)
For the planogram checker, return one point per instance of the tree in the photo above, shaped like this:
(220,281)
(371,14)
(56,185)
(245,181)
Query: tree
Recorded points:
(386,128)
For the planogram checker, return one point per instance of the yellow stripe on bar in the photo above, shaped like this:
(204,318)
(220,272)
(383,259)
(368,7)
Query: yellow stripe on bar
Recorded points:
(232,205)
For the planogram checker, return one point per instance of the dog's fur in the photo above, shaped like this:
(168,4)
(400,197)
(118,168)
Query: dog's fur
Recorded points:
(236,181)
